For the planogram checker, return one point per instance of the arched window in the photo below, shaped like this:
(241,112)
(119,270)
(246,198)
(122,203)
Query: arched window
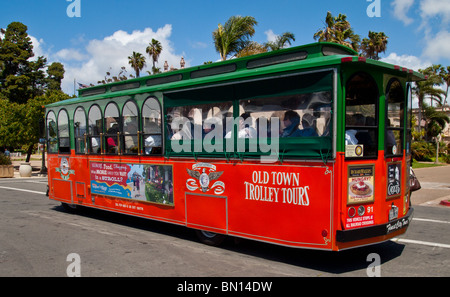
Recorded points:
(395,102)
(151,124)
(408,120)
(79,127)
(63,132)
(52,133)
(95,130)
(361,116)
(112,129)
(130,116)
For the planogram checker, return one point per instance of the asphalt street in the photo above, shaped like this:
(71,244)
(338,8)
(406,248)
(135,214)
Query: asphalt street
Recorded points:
(39,238)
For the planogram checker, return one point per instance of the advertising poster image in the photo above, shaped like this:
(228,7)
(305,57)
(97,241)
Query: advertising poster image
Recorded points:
(143,182)
(360,184)
(394,180)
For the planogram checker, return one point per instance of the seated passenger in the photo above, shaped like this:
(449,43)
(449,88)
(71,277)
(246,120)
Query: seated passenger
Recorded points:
(245,128)
(308,123)
(111,138)
(291,121)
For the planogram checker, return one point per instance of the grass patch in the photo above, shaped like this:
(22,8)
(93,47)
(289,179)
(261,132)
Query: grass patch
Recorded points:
(416,165)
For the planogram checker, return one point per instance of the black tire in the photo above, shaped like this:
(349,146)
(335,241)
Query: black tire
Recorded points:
(210,238)
(70,208)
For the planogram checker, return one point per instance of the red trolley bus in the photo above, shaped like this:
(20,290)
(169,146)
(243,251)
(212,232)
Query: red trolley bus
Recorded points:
(305,147)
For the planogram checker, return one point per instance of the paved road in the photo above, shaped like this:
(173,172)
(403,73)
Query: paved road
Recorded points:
(37,235)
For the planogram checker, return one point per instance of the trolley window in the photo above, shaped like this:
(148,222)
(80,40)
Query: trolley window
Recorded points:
(361,120)
(287,116)
(63,132)
(151,124)
(95,130)
(130,127)
(112,129)
(52,133)
(395,99)
(408,121)
(79,127)
(295,109)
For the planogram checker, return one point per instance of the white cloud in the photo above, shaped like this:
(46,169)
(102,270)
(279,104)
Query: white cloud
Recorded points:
(70,54)
(432,8)
(401,8)
(410,62)
(38,48)
(111,53)
(438,46)
(198,45)
(271,37)
(407,61)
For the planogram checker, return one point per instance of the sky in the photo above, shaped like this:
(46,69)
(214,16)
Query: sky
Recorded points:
(92,37)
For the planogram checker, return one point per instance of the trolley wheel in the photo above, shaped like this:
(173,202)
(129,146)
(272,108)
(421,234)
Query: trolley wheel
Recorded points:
(71,208)
(210,238)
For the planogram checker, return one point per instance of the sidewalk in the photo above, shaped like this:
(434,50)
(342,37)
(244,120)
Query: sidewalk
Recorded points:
(435,182)
(35,162)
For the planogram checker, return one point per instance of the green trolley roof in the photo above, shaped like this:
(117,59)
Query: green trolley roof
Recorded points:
(315,55)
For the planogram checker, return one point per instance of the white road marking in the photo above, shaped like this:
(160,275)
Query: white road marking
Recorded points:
(23,190)
(431,221)
(433,244)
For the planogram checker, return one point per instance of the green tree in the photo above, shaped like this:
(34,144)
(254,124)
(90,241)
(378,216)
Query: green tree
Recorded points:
(20,122)
(338,30)
(445,73)
(24,88)
(20,78)
(435,121)
(55,74)
(281,41)
(15,49)
(234,36)
(154,49)
(374,45)
(137,61)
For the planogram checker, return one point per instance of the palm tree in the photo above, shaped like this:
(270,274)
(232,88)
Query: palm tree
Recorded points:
(436,122)
(252,48)
(446,77)
(234,35)
(137,61)
(375,44)
(280,41)
(338,30)
(154,49)
(428,88)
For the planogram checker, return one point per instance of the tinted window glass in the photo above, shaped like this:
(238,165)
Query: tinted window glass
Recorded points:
(79,127)
(361,121)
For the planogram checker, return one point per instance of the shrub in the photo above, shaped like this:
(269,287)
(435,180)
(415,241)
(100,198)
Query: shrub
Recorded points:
(423,151)
(5,160)
(446,158)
